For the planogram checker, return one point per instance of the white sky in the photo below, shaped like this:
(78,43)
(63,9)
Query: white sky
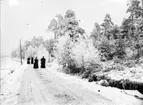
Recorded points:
(27,18)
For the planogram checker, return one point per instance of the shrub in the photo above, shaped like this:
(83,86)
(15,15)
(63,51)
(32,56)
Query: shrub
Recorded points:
(129,63)
(83,53)
(106,50)
(140,88)
(86,74)
(95,77)
(126,84)
(74,69)
(103,82)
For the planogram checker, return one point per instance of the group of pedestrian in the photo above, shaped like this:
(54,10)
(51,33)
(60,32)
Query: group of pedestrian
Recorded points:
(31,60)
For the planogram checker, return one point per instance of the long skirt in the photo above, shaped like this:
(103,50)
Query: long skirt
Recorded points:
(43,65)
(35,66)
(28,62)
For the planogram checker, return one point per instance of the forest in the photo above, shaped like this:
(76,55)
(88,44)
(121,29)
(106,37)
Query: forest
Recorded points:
(111,55)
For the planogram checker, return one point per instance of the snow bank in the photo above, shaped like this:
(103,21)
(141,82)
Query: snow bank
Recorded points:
(120,97)
(10,81)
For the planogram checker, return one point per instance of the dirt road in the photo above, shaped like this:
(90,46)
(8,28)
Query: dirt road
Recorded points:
(44,87)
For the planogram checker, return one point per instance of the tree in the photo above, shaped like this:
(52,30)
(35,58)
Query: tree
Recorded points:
(13,54)
(49,45)
(63,51)
(107,26)
(84,53)
(66,25)
(136,14)
(30,52)
(134,9)
(37,41)
(72,29)
(26,45)
(53,27)
(95,34)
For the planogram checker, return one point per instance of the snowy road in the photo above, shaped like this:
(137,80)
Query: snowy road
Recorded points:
(44,87)
(27,86)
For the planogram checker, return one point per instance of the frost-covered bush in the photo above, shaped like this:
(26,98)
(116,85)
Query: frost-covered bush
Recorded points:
(64,55)
(103,83)
(84,53)
(129,52)
(86,57)
(63,50)
(107,50)
(86,74)
(76,56)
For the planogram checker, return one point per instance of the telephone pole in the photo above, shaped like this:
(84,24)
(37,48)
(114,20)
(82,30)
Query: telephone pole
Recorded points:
(20,53)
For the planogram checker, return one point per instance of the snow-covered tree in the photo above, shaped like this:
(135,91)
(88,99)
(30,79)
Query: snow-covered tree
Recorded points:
(107,25)
(66,25)
(30,52)
(37,41)
(84,53)
(13,54)
(63,50)
(49,45)
(53,27)
(136,21)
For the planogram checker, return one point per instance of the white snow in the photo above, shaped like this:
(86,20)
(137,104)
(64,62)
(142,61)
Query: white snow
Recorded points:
(50,86)
(118,96)
(11,73)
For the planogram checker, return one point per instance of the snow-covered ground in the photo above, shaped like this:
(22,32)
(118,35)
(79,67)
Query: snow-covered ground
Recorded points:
(11,73)
(118,72)
(132,74)
(27,86)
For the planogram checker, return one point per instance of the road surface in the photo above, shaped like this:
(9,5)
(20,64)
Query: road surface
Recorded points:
(44,87)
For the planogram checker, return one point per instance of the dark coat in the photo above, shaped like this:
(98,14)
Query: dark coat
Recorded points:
(43,62)
(28,60)
(32,60)
(35,64)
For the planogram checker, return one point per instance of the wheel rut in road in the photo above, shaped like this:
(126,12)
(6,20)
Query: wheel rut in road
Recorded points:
(42,87)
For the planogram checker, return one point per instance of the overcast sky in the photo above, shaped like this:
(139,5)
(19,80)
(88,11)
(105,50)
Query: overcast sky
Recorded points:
(27,18)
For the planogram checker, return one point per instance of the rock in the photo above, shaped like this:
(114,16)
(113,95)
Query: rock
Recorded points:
(12,71)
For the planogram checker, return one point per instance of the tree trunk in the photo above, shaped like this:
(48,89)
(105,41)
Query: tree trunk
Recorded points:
(82,65)
(138,49)
(55,35)
(49,57)
(132,17)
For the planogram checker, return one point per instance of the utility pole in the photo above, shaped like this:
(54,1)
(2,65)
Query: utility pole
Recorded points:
(20,53)
(55,37)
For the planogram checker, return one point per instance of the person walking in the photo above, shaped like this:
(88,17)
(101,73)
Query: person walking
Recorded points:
(43,62)
(36,63)
(28,60)
(32,60)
